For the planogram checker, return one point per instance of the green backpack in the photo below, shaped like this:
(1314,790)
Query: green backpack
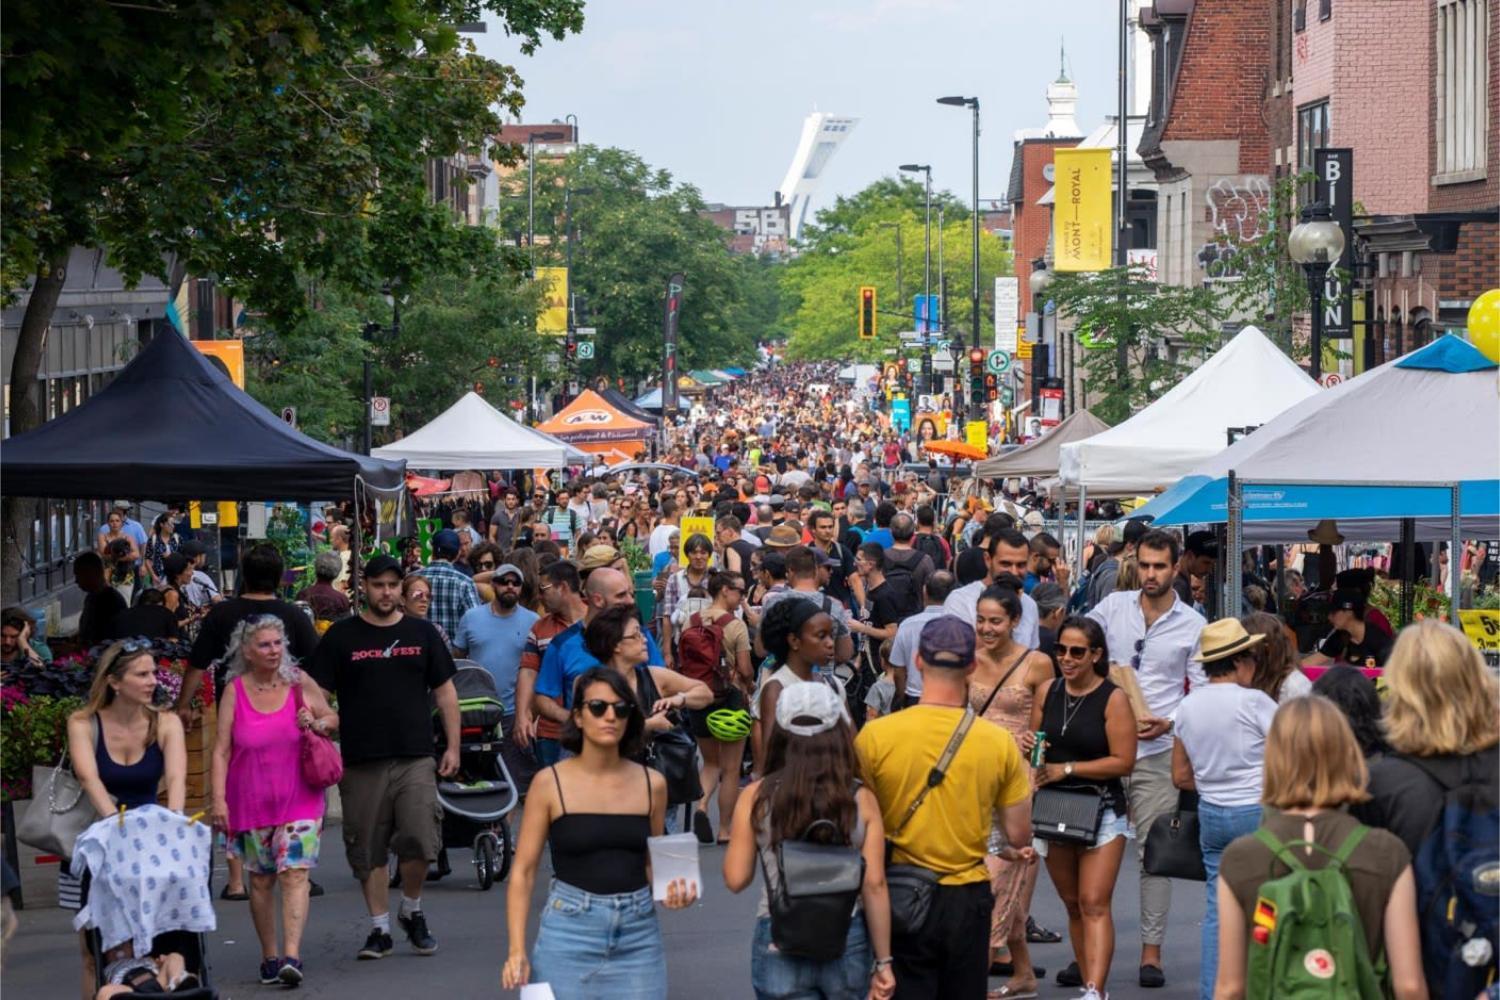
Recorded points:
(1306,938)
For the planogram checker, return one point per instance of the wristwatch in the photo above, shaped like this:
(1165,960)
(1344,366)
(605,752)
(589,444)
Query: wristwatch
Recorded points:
(880,963)
(1068,770)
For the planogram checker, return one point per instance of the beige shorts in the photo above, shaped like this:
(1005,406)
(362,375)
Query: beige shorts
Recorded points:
(390,805)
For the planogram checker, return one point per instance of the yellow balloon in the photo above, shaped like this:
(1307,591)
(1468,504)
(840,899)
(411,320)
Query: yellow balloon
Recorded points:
(1484,324)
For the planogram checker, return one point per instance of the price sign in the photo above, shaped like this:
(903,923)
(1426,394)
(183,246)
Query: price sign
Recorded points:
(1482,628)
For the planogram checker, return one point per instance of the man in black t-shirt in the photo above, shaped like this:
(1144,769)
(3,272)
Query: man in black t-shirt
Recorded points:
(386,668)
(887,606)
(1352,640)
(101,602)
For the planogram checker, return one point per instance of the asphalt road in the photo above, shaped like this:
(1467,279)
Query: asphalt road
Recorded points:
(708,947)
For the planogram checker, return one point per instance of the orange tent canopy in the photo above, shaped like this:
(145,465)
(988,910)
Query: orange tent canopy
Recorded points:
(958,449)
(591,423)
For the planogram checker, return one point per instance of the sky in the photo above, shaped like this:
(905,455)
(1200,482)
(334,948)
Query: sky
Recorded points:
(715,91)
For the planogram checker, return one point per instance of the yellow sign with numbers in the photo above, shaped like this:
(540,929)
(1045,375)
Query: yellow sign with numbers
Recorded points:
(1482,628)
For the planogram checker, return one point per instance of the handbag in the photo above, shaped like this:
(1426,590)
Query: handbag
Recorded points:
(322,764)
(813,905)
(674,752)
(1067,815)
(55,819)
(911,887)
(1173,849)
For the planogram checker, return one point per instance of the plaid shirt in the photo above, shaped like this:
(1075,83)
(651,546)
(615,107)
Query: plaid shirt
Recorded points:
(453,593)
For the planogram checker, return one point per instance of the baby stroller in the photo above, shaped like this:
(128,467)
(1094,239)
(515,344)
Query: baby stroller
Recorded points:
(477,800)
(190,945)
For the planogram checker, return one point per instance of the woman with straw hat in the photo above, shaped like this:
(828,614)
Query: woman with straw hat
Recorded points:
(1220,751)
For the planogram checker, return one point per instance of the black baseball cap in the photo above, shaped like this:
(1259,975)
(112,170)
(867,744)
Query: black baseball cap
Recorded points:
(1347,600)
(381,564)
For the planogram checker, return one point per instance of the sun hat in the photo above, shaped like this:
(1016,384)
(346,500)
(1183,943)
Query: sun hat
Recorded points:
(783,537)
(595,557)
(1326,533)
(809,708)
(1223,639)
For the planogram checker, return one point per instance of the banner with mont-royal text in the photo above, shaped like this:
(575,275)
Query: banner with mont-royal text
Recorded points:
(1082,210)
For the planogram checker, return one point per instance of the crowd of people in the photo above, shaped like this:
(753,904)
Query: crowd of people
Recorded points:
(862,677)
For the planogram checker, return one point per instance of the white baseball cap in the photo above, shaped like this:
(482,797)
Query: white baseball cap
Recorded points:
(810,708)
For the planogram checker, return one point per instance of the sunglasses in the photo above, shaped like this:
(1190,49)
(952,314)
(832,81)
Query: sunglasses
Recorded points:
(1135,661)
(633,635)
(486,564)
(419,595)
(1072,652)
(598,706)
(510,581)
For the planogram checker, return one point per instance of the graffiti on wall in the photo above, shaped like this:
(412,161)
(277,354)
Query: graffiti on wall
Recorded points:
(1236,209)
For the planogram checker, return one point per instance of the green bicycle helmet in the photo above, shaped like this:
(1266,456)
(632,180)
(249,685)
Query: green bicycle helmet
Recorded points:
(728,725)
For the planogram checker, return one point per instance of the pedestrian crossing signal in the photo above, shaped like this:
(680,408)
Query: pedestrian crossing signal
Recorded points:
(866,312)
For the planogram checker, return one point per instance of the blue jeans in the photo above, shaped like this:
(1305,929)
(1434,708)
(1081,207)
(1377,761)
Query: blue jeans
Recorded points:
(590,946)
(1217,827)
(781,977)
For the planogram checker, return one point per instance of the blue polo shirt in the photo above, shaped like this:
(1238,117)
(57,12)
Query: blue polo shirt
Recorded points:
(567,659)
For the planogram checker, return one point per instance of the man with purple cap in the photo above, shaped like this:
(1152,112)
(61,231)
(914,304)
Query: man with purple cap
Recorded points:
(939,777)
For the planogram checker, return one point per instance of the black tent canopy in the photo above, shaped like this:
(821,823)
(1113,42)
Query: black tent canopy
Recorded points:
(171,426)
(627,406)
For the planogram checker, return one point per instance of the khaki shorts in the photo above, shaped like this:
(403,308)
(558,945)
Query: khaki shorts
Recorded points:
(390,805)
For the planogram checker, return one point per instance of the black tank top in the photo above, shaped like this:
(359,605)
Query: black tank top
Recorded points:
(1076,732)
(601,853)
(132,785)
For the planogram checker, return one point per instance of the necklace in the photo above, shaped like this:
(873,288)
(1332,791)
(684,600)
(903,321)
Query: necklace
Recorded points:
(262,687)
(1071,706)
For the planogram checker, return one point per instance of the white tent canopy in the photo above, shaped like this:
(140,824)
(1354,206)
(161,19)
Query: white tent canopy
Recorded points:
(1246,383)
(472,434)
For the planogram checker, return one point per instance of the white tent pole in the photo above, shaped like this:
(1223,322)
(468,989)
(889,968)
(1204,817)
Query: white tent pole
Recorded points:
(1083,493)
(1455,557)
(1232,556)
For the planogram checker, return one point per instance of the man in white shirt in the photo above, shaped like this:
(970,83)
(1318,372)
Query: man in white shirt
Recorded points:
(909,633)
(661,535)
(1154,632)
(1009,553)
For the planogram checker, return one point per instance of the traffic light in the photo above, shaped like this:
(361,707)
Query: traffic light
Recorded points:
(991,387)
(571,347)
(976,374)
(866,318)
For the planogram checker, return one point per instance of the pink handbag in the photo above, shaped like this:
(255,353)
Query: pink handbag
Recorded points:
(322,764)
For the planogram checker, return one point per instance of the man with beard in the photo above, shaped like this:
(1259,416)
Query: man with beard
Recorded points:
(494,635)
(387,668)
(1156,633)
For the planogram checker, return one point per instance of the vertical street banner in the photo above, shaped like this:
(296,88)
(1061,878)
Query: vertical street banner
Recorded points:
(669,344)
(1335,188)
(1082,210)
(1007,312)
(553,316)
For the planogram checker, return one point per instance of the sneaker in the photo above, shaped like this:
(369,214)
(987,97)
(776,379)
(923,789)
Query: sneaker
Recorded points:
(291,973)
(1070,976)
(377,945)
(1092,992)
(702,827)
(415,926)
(270,971)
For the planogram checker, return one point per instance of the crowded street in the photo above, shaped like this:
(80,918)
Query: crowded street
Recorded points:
(1048,546)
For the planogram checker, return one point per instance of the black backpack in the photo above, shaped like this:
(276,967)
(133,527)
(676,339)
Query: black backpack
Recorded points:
(899,575)
(813,905)
(932,547)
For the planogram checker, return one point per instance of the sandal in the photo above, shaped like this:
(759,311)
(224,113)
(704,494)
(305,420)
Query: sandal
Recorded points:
(1037,934)
(234,897)
(1006,993)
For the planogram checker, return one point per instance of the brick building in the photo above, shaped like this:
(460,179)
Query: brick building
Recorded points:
(1031,179)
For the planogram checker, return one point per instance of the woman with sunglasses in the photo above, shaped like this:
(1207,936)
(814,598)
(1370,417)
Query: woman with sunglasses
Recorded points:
(122,749)
(416,600)
(616,640)
(483,558)
(1091,744)
(598,935)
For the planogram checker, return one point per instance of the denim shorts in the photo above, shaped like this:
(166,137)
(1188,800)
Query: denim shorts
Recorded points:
(774,975)
(590,946)
(1111,825)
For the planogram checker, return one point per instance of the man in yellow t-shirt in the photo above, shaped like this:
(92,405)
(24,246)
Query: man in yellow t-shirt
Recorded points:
(949,832)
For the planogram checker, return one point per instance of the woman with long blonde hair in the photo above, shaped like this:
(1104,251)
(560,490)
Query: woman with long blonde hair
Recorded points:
(1442,721)
(122,749)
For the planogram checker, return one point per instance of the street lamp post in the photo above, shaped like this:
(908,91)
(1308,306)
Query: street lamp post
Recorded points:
(900,274)
(369,333)
(1038,281)
(531,141)
(926,169)
(976,406)
(1317,242)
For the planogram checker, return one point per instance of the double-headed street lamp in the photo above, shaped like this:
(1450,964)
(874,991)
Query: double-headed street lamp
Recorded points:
(392,296)
(1317,243)
(1037,283)
(976,406)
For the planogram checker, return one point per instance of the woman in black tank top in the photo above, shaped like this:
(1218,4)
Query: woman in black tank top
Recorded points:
(1091,744)
(598,934)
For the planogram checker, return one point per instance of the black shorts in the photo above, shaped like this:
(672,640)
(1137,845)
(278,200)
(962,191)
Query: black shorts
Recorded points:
(698,717)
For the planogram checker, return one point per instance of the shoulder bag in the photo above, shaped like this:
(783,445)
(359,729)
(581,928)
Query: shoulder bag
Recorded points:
(912,886)
(59,810)
(1066,815)
(322,764)
(813,905)
(674,752)
(1172,846)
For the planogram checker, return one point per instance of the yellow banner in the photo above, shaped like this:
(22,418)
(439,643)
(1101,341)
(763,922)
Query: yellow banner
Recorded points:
(1081,209)
(687,528)
(1482,628)
(977,433)
(553,317)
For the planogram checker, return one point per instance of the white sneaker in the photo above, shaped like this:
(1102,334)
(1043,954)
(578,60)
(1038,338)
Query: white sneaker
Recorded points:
(1092,992)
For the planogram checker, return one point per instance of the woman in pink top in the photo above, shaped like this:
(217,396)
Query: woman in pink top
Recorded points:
(273,818)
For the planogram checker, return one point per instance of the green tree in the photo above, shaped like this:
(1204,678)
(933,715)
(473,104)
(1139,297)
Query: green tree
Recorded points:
(262,142)
(633,228)
(854,243)
(1166,330)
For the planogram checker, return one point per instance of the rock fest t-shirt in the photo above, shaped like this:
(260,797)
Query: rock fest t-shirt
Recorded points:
(383,676)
